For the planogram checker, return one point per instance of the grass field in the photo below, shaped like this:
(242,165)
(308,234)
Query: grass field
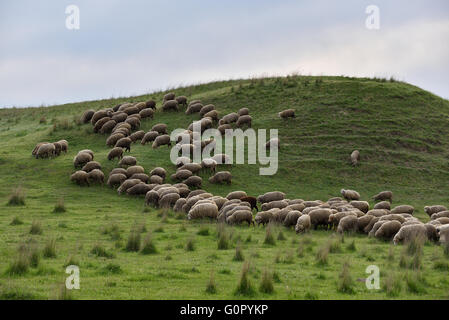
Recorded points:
(401,131)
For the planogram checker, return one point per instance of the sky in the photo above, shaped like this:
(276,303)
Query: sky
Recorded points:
(133,47)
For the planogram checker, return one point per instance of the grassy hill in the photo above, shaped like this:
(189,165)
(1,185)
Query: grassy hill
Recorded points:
(401,131)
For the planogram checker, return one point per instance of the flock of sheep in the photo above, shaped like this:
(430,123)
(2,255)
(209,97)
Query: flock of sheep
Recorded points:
(343,214)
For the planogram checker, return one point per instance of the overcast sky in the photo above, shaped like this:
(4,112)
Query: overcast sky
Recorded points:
(133,47)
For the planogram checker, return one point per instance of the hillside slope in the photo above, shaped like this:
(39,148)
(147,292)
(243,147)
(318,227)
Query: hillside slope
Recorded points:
(401,131)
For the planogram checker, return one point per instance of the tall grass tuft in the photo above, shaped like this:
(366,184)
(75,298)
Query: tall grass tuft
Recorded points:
(148,245)
(322,255)
(190,245)
(17,197)
(266,284)
(20,265)
(244,287)
(100,251)
(223,240)
(59,206)
(211,287)
(49,250)
(16,221)
(269,238)
(345,284)
(36,228)
(393,285)
(133,244)
(238,256)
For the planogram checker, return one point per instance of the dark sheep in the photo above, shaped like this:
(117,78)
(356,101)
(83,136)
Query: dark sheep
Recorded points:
(138,135)
(170,105)
(146,113)
(119,117)
(87,116)
(113,138)
(81,159)
(169,96)
(246,119)
(91,165)
(108,126)
(182,100)
(160,127)
(251,200)
(115,153)
(124,143)
(139,189)
(384,196)
(116,179)
(96,175)
(193,181)
(150,104)
(100,124)
(289,113)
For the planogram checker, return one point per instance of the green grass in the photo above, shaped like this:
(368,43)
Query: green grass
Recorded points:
(400,130)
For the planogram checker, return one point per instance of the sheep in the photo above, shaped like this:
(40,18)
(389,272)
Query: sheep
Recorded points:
(181,175)
(195,192)
(127,161)
(134,169)
(161,140)
(192,167)
(384,196)
(122,126)
(251,200)
(108,126)
(236,195)
(246,119)
(81,159)
(87,151)
(58,148)
(99,115)
(193,181)
(119,117)
(138,135)
(205,109)
(221,177)
(295,206)
(240,216)
(194,108)
(371,224)
(378,212)
(115,153)
(156,179)
(203,210)
(168,200)
(150,136)
(34,152)
(347,224)
(160,127)
(434,209)
(180,161)
(205,123)
(91,165)
(403,209)
(45,151)
(388,230)
(178,205)
(209,163)
(212,114)
(158,171)
(222,128)
(289,113)
(126,184)
(146,113)
(361,205)
(243,112)
(355,157)
(273,142)
(64,145)
(376,227)
(116,179)
(320,217)
(280,204)
(350,194)
(113,138)
(303,224)
(80,177)
(131,110)
(99,124)
(170,105)
(222,158)
(271,196)
(263,217)
(229,118)
(139,189)
(134,122)
(150,104)
(382,205)
(117,170)
(292,218)
(442,220)
(334,219)
(141,176)
(410,232)
(229,211)
(392,216)
(363,222)
(443,234)
(169,96)
(439,215)
(124,143)
(87,116)
(182,100)
(96,175)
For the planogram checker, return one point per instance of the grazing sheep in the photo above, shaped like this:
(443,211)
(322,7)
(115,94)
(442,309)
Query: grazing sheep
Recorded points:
(388,230)
(115,153)
(117,170)
(393,216)
(194,108)
(263,217)
(80,177)
(108,126)
(355,157)
(99,115)
(91,165)
(222,158)
(209,163)
(371,224)
(246,119)
(87,151)
(146,113)
(58,148)
(179,204)
(150,104)
(34,152)
(236,195)
(160,127)
(126,184)
(139,189)
(363,222)
(131,110)
(124,143)
(149,137)
(442,220)
(378,212)
(303,224)
(168,200)
(403,209)
(100,124)
(193,181)
(347,224)
(434,209)
(182,100)
(240,216)
(116,179)
(334,219)
(181,175)
(251,200)
(87,116)
(180,161)
(119,117)
(382,205)
(221,177)
(361,205)
(156,179)
(158,171)
(96,175)
(350,194)
(45,151)
(138,135)
(141,176)
(113,138)
(443,234)
(320,217)
(127,161)
(280,204)
(161,140)
(222,128)
(169,96)
(440,214)
(64,145)
(81,159)
(207,108)
(229,118)
(170,105)
(243,112)
(271,196)
(213,114)
(384,196)
(192,167)
(134,169)
(289,113)
(292,218)
(203,210)
(273,142)
(134,122)
(410,232)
